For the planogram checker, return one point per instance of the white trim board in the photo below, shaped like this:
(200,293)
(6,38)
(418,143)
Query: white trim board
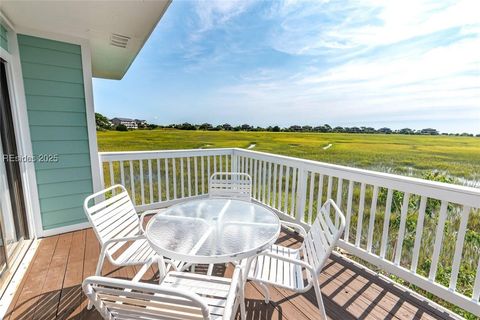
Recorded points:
(90,112)
(60,230)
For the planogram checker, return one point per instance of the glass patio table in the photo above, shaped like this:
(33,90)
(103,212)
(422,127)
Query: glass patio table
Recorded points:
(211,231)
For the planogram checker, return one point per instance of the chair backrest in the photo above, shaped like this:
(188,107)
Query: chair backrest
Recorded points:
(323,235)
(125,299)
(233,185)
(114,216)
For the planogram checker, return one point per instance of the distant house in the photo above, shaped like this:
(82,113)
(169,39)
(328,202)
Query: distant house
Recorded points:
(406,131)
(429,131)
(127,122)
(385,130)
(141,123)
(295,128)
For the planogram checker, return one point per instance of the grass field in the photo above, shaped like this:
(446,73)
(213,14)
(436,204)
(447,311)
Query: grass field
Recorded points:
(402,154)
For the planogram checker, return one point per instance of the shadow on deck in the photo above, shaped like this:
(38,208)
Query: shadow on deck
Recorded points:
(51,288)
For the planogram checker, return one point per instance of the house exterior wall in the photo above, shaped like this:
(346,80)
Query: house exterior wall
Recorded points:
(3,37)
(55,100)
(131,124)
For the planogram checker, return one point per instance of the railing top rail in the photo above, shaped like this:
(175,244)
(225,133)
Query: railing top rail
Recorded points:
(137,155)
(454,193)
(439,190)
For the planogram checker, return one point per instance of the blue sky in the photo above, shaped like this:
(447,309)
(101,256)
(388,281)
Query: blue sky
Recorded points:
(350,63)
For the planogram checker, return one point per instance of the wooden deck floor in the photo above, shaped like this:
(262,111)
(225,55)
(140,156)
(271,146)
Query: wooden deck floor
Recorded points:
(51,288)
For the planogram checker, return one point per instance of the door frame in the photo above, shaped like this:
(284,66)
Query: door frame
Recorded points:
(21,127)
(14,181)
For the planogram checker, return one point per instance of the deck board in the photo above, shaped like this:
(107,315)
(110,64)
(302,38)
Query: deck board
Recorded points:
(71,295)
(47,306)
(51,287)
(29,291)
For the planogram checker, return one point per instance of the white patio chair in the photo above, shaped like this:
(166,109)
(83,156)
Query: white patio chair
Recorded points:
(232,185)
(284,267)
(116,224)
(179,295)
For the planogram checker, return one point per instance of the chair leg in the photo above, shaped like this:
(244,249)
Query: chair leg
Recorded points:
(266,292)
(101,260)
(98,272)
(210,269)
(243,310)
(162,271)
(318,294)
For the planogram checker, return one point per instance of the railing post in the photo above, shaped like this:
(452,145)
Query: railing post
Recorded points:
(301,194)
(234,161)
(102,181)
(101,178)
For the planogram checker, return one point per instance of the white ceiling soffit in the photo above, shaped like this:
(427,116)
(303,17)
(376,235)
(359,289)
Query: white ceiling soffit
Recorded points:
(116,30)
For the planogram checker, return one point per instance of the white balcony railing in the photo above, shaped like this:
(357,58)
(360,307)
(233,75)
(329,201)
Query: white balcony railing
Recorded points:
(412,228)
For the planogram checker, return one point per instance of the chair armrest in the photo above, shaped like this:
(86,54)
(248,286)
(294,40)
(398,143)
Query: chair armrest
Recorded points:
(124,239)
(142,217)
(295,226)
(286,259)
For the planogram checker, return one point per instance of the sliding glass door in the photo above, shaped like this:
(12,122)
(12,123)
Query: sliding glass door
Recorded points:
(13,227)
(3,252)
(10,235)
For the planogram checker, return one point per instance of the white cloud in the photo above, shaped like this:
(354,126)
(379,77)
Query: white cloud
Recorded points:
(390,60)
(208,16)
(215,13)
(348,61)
(312,28)
(441,83)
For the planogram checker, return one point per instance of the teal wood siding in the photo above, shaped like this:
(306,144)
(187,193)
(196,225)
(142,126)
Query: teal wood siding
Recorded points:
(3,37)
(53,80)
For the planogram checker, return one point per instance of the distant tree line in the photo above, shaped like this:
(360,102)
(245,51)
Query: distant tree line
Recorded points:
(104,124)
(296,128)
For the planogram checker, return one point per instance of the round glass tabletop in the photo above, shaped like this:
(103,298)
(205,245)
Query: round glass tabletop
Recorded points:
(213,230)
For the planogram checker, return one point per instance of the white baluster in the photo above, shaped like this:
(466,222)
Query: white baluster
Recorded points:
(349,211)
(150,182)
(195,167)
(142,186)
(373,211)
(401,231)
(459,247)
(437,247)
(418,233)
(159,181)
(182,179)
(167,183)
(360,215)
(189,178)
(132,183)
